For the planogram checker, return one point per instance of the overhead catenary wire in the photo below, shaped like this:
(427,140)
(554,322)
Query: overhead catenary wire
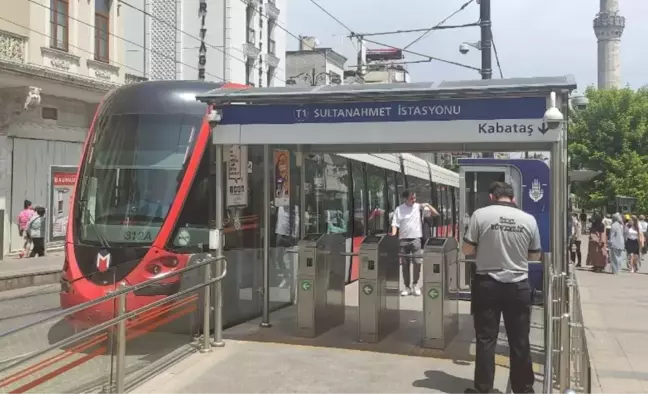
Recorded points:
(497,60)
(115,36)
(171,25)
(426,56)
(434,28)
(430,58)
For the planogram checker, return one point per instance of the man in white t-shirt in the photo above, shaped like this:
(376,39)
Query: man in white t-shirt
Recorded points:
(407,223)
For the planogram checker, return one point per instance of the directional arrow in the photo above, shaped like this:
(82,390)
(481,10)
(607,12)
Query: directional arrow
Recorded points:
(543,128)
(306,285)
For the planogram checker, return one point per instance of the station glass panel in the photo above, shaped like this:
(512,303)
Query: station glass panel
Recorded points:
(377,200)
(393,197)
(359,199)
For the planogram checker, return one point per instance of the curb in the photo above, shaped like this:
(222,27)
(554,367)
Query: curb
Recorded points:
(29,279)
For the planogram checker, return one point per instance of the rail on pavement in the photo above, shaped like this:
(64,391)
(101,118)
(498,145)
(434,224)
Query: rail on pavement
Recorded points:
(107,355)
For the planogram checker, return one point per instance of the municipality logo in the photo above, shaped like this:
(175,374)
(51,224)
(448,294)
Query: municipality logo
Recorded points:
(536,192)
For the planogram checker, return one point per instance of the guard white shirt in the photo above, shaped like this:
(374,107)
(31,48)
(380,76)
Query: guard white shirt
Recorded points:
(408,221)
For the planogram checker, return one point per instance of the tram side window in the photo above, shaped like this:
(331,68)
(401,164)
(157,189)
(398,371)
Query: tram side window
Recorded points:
(377,199)
(393,198)
(326,193)
(359,195)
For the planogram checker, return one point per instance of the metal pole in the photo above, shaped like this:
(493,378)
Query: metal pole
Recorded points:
(565,337)
(486,38)
(218,247)
(206,345)
(485,47)
(121,343)
(265,321)
(551,263)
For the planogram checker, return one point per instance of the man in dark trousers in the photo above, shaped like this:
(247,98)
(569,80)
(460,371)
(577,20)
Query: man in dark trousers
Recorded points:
(504,239)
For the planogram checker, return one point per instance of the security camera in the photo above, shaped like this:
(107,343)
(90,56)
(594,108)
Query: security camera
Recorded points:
(214,116)
(553,118)
(579,102)
(463,48)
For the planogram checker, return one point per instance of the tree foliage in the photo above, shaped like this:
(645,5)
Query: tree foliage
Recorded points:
(611,136)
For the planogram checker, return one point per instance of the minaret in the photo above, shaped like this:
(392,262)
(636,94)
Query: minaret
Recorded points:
(608,27)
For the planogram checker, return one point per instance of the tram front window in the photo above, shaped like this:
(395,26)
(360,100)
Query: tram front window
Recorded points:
(131,176)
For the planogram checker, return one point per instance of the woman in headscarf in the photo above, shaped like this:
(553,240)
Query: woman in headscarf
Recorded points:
(597,247)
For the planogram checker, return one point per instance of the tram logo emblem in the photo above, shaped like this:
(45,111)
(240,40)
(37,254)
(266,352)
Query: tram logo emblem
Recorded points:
(536,192)
(301,114)
(103,261)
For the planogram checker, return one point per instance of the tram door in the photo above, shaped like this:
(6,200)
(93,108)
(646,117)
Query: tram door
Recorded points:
(473,188)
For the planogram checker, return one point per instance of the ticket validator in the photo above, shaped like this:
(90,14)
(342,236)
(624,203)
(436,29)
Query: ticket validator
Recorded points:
(378,286)
(320,280)
(440,280)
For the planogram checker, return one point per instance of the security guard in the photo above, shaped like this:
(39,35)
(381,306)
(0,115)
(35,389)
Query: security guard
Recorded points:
(504,239)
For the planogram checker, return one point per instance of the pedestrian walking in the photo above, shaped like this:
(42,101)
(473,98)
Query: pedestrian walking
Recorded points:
(616,243)
(23,219)
(634,243)
(575,241)
(597,245)
(407,224)
(36,230)
(504,239)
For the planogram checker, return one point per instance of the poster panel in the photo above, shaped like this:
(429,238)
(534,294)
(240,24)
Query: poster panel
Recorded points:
(237,175)
(281,178)
(62,181)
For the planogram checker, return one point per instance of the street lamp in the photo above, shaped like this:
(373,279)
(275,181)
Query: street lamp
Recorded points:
(315,79)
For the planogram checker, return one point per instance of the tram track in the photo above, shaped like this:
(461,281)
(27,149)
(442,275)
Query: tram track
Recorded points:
(91,359)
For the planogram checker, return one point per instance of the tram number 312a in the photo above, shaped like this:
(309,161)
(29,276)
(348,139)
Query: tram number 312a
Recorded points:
(137,236)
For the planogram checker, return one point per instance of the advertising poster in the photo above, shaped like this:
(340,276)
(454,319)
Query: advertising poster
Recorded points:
(62,180)
(237,176)
(281,178)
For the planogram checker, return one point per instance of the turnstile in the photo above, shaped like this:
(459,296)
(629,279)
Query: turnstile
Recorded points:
(440,279)
(320,281)
(378,285)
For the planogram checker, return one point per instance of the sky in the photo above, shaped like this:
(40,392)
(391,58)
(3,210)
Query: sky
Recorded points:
(533,37)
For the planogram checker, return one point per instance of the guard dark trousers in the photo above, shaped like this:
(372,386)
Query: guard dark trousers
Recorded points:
(492,299)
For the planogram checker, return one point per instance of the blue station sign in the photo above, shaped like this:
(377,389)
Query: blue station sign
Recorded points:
(531,108)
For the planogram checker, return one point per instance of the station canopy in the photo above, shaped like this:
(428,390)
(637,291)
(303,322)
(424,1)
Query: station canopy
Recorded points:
(476,115)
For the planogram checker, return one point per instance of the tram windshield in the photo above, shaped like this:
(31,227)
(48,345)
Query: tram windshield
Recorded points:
(131,175)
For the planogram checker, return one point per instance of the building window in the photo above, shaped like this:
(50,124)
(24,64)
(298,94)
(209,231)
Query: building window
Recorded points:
(102,30)
(59,24)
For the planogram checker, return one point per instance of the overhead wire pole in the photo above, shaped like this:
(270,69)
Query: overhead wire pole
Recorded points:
(485,46)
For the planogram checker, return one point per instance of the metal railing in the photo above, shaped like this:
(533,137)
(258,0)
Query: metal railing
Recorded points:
(123,315)
(580,376)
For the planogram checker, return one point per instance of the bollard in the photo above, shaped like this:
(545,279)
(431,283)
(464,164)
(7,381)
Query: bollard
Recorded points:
(121,343)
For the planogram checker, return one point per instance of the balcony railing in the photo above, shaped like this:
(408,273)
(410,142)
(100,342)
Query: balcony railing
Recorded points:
(12,47)
(251,36)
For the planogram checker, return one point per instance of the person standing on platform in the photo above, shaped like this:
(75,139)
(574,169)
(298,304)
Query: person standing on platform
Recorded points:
(407,224)
(616,243)
(504,239)
(575,241)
